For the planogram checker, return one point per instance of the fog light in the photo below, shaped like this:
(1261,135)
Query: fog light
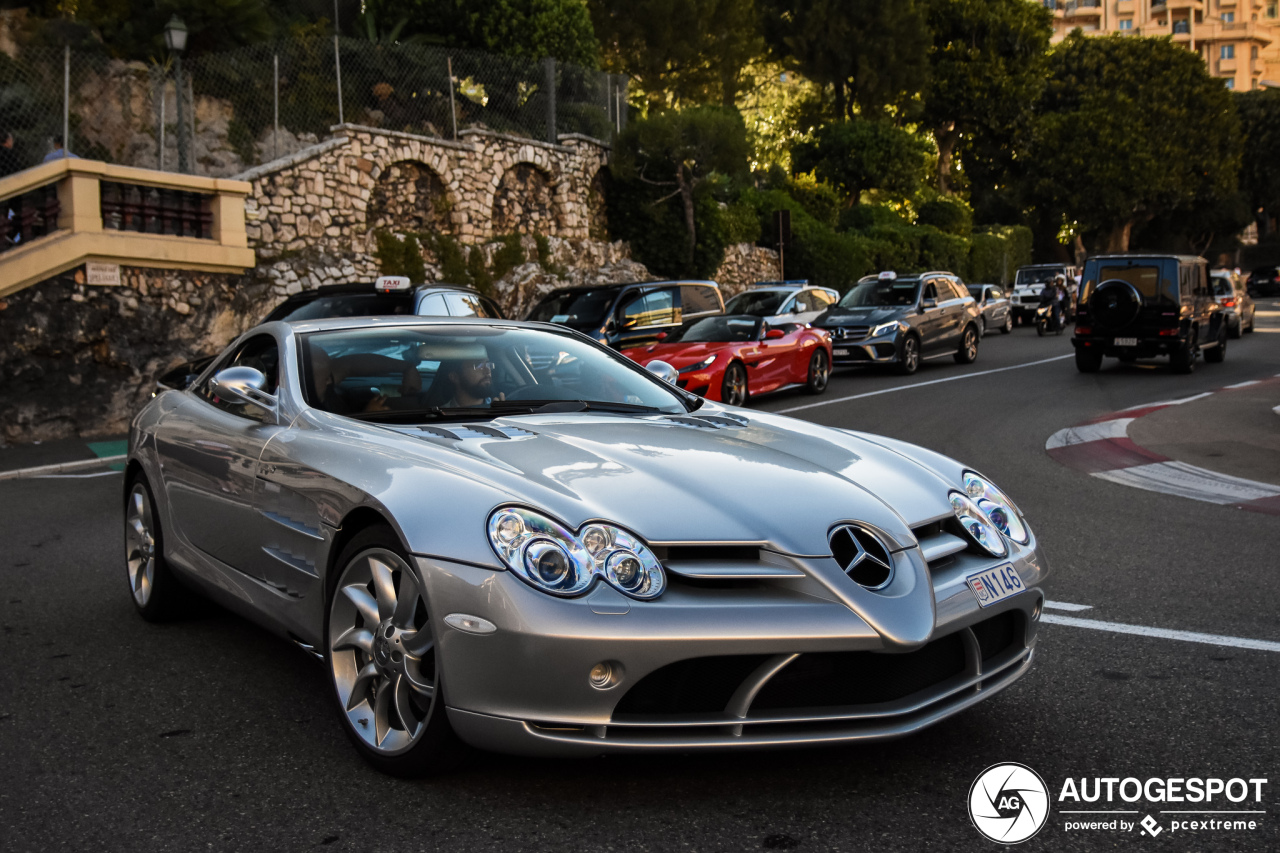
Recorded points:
(605,674)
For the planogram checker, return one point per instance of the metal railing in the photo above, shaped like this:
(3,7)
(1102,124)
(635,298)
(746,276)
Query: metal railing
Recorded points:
(249,106)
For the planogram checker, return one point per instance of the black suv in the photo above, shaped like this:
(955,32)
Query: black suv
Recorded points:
(1140,306)
(1265,281)
(901,320)
(629,315)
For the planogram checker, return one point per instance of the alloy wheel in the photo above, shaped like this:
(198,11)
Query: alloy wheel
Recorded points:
(819,371)
(140,544)
(910,355)
(970,345)
(382,651)
(734,392)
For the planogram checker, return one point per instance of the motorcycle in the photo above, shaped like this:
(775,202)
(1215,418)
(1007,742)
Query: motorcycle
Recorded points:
(1047,322)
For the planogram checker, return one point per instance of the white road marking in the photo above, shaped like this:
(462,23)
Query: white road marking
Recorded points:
(1169,402)
(919,385)
(1242,384)
(60,467)
(1162,633)
(1189,481)
(1118,428)
(1062,605)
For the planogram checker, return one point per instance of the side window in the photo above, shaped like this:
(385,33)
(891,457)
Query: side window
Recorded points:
(432,305)
(655,308)
(803,302)
(821,298)
(261,353)
(696,300)
(465,305)
(930,291)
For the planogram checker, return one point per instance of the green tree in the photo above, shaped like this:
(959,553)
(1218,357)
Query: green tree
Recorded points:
(1260,167)
(1130,128)
(858,155)
(681,52)
(527,28)
(986,72)
(677,152)
(872,55)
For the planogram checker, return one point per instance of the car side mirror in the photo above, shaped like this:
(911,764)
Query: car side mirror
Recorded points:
(663,371)
(928,302)
(662,336)
(244,385)
(774,334)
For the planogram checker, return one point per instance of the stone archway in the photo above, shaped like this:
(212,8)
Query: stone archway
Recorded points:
(524,202)
(409,196)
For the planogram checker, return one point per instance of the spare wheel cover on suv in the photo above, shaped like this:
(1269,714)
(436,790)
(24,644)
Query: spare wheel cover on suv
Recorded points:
(1115,304)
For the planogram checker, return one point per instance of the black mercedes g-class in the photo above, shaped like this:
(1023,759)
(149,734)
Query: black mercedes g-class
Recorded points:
(1140,306)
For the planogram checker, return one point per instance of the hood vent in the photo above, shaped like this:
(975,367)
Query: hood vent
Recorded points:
(460,432)
(708,421)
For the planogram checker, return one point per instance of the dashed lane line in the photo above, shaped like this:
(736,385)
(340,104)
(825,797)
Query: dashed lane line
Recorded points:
(1161,633)
(919,385)
(1062,605)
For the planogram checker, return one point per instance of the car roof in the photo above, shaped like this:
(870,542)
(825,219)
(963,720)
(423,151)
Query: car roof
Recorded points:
(329,324)
(360,288)
(1044,266)
(623,285)
(1128,256)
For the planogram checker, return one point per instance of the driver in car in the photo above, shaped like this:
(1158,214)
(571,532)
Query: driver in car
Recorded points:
(468,382)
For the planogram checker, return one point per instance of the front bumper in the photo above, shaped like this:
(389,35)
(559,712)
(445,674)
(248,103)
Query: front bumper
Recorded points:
(722,665)
(880,350)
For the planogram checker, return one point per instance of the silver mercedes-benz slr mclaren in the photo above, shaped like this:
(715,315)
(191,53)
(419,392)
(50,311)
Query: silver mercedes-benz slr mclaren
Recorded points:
(507,535)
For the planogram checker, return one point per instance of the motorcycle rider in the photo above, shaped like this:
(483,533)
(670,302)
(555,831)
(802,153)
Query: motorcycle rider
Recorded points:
(1051,295)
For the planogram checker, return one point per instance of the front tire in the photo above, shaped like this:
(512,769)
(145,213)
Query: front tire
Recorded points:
(1234,331)
(982,327)
(381,651)
(1088,361)
(156,592)
(968,352)
(909,359)
(1183,359)
(733,388)
(1218,354)
(819,372)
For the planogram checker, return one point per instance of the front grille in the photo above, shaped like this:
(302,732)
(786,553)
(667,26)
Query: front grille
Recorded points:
(849,333)
(997,634)
(838,679)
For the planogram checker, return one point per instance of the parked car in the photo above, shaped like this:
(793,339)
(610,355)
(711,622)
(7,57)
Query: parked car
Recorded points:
(1265,281)
(593,561)
(388,295)
(902,320)
(1140,306)
(995,307)
(1028,281)
(1237,304)
(783,303)
(629,315)
(730,357)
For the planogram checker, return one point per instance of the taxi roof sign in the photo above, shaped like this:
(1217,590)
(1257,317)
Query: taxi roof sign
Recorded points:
(392,283)
(888,275)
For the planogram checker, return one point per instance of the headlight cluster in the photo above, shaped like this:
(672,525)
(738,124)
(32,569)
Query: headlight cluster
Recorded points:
(702,365)
(555,560)
(883,329)
(988,516)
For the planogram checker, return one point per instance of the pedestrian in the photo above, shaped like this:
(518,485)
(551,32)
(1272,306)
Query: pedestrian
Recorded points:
(8,157)
(58,152)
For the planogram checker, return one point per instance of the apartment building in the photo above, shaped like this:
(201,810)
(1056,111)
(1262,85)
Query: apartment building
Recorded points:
(1239,40)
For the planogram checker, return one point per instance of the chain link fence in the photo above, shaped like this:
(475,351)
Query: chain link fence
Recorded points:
(220,114)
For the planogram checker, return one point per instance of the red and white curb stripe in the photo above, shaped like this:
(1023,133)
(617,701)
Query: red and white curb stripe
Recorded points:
(1102,448)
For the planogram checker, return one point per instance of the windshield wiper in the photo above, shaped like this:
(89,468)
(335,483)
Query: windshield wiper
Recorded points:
(433,413)
(547,407)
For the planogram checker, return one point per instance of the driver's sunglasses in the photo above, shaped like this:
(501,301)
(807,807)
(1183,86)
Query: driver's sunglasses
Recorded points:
(481,365)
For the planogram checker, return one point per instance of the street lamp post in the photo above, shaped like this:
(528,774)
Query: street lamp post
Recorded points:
(175,38)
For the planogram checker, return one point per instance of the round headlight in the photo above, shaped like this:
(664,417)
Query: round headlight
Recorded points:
(997,508)
(636,575)
(596,539)
(977,525)
(550,565)
(509,527)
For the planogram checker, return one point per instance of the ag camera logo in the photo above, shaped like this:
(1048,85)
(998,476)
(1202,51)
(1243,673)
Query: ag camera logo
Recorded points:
(1009,803)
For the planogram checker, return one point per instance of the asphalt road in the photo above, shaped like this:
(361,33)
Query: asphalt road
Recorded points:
(213,734)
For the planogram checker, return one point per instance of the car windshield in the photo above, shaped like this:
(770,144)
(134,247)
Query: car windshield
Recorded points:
(408,374)
(880,292)
(344,305)
(578,308)
(761,303)
(1036,276)
(718,329)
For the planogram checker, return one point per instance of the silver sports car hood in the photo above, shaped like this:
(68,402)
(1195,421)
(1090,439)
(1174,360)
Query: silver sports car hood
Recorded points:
(695,478)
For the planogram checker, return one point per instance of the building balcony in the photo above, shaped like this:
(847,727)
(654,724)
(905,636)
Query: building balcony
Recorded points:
(1226,66)
(71,211)
(1084,8)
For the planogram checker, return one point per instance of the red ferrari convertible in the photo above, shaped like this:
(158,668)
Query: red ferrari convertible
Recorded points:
(732,357)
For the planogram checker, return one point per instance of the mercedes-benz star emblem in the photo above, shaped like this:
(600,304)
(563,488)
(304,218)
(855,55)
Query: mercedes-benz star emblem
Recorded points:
(862,556)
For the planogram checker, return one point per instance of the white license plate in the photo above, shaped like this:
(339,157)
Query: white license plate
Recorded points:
(839,352)
(995,584)
(1126,342)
